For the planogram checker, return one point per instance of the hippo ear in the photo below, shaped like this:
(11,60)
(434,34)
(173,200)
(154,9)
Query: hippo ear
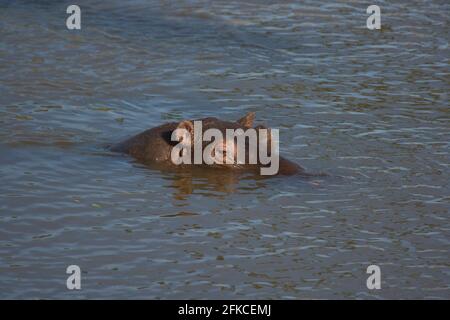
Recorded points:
(180,135)
(247,120)
(188,125)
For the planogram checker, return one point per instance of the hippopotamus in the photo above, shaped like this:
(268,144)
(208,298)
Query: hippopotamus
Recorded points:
(155,146)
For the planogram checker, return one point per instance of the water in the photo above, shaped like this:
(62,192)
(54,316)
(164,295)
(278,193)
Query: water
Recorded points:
(371,108)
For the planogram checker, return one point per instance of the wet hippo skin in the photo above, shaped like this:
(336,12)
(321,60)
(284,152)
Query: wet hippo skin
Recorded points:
(154,146)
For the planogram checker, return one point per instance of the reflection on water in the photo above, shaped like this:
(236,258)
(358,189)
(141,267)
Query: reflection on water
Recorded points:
(206,181)
(369,107)
(186,185)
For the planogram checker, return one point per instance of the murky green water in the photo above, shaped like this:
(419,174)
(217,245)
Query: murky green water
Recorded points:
(369,107)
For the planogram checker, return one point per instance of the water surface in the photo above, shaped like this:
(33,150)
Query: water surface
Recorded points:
(369,107)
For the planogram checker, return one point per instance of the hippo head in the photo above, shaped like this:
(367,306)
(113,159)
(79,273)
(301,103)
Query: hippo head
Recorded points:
(220,143)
